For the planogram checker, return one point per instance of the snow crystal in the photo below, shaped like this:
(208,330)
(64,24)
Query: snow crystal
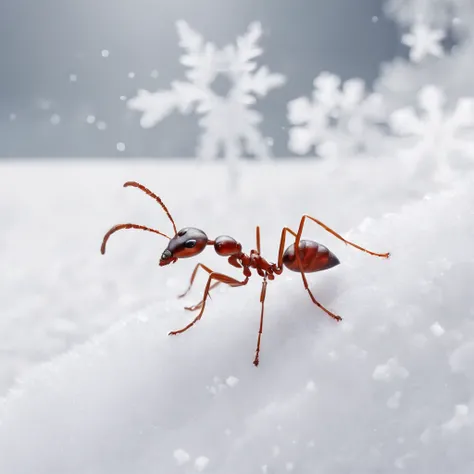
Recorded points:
(101,125)
(462,359)
(460,419)
(181,456)
(390,370)
(105,53)
(439,133)
(201,463)
(394,401)
(120,146)
(423,41)
(90,119)
(437,329)
(232,381)
(340,119)
(55,119)
(73,77)
(205,63)
(131,75)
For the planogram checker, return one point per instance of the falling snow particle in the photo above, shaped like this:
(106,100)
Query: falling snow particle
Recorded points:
(120,146)
(131,75)
(101,125)
(394,401)
(201,463)
(90,119)
(289,466)
(105,53)
(55,119)
(123,97)
(437,329)
(154,74)
(375,19)
(311,386)
(73,77)
(232,381)
(386,372)
(181,456)
(460,419)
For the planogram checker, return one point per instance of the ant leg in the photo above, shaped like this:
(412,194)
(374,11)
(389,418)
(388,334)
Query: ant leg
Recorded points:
(196,306)
(298,258)
(281,250)
(331,231)
(303,276)
(260,330)
(193,276)
(213,276)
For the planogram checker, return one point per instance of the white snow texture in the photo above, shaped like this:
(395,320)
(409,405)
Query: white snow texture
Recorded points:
(102,389)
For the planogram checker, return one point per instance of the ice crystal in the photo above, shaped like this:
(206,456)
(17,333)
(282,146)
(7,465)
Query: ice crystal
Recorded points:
(338,119)
(436,131)
(229,122)
(423,41)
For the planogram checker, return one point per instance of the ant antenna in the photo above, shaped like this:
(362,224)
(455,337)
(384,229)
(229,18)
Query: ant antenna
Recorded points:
(155,197)
(115,228)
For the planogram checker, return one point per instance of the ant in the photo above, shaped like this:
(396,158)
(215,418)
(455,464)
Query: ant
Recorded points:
(189,242)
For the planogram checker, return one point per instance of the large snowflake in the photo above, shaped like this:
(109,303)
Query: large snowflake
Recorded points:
(338,120)
(436,132)
(229,122)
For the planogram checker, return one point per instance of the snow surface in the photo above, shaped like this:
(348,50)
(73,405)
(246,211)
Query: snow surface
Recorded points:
(91,382)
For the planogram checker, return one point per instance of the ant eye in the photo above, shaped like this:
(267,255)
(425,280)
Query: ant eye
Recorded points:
(190,244)
(165,255)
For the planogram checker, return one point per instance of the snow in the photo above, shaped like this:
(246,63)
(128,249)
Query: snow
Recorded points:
(423,41)
(341,119)
(228,121)
(91,382)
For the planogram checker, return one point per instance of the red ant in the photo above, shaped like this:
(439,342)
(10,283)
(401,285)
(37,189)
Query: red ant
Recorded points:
(189,242)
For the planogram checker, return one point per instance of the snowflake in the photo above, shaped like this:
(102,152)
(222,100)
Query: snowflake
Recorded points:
(437,12)
(423,41)
(338,119)
(228,121)
(436,132)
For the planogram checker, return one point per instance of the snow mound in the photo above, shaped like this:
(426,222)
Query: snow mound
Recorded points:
(390,388)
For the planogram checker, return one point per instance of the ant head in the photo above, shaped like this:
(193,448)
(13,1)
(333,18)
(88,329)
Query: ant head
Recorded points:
(188,242)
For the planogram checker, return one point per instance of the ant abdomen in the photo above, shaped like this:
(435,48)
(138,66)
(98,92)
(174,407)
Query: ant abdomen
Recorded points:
(225,246)
(314,257)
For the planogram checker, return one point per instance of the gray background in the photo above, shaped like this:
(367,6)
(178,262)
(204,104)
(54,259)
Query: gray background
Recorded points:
(43,42)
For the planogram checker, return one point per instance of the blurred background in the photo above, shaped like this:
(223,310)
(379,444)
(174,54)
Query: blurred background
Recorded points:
(69,67)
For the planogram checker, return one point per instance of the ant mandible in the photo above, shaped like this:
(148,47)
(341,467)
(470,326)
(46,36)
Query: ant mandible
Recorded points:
(189,242)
